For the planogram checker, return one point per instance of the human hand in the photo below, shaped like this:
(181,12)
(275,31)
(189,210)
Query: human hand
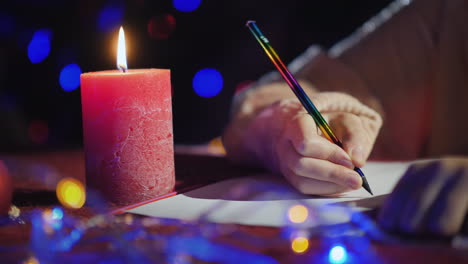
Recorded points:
(431,198)
(285,138)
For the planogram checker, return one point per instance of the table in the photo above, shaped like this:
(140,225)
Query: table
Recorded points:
(252,244)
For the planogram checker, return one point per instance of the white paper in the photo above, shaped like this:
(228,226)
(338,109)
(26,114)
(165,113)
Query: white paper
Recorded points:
(265,199)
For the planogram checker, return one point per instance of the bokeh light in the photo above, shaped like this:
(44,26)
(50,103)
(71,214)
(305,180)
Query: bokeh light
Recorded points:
(31,260)
(71,193)
(70,77)
(52,220)
(14,212)
(215,146)
(110,17)
(161,27)
(207,82)
(298,213)
(300,245)
(337,255)
(39,46)
(57,213)
(186,5)
(38,131)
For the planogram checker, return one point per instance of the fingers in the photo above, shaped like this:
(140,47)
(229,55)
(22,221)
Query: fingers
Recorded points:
(308,160)
(313,186)
(316,176)
(302,133)
(389,213)
(448,211)
(431,198)
(423,190)
(414,212)
(355,124)
(354,136)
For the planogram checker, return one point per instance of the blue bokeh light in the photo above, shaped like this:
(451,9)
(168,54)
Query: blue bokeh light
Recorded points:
(186,5)
(207,82)
(110,17)
(205,250)
(39,46)
(337,255)
(57,213)
(70,77)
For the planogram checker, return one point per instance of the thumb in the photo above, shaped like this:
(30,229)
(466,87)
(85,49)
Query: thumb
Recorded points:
(354,137)
(355,124)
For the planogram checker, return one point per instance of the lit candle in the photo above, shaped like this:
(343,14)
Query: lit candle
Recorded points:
(127,129)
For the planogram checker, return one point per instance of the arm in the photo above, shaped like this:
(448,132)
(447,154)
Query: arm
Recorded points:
(270,129)
(389,64)
(431,198)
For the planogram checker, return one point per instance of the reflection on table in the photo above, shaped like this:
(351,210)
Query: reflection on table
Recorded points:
(44,230)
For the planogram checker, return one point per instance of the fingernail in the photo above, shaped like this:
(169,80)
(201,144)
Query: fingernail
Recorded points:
(353,181)
(357,153)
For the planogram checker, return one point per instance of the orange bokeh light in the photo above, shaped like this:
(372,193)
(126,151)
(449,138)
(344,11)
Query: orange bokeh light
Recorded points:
(71,193)
(300,245)
(298,213)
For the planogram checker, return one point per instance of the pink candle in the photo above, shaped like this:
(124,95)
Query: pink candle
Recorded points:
(128,140)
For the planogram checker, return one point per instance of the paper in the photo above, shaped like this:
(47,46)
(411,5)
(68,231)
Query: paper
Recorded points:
(265,199)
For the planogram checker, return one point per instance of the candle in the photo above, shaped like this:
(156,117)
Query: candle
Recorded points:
(127,129)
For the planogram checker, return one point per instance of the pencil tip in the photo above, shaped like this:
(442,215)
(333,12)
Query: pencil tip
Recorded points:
(366,186)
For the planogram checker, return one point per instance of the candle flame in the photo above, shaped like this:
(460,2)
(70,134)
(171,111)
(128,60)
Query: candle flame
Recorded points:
(121,55)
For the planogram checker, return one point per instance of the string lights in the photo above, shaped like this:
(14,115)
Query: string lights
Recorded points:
(59,237)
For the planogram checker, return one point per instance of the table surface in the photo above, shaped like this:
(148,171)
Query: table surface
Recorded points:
(192,167)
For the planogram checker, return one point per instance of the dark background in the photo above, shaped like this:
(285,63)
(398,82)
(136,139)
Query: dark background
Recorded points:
(36,113)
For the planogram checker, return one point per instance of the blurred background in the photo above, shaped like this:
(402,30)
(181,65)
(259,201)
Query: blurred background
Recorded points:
(46,44)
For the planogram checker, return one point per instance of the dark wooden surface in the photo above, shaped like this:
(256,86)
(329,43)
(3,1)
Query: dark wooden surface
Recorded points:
(191,168)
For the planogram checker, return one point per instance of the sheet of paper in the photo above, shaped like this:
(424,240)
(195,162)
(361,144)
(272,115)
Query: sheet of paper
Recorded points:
(265,199)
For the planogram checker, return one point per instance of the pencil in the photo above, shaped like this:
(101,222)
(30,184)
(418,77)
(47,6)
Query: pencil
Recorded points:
(299,92)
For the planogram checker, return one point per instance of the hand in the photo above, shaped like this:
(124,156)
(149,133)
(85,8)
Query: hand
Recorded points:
(431,198)
(286,140)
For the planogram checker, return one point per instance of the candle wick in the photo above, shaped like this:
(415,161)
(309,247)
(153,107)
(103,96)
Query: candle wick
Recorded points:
(122,68)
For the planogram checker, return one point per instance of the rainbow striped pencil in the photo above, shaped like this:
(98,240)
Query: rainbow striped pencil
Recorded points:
(299,92)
